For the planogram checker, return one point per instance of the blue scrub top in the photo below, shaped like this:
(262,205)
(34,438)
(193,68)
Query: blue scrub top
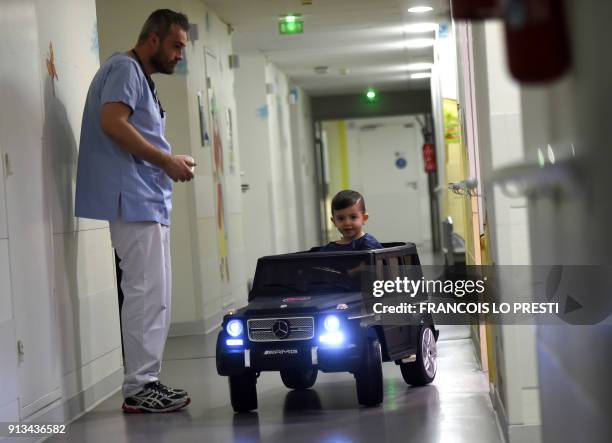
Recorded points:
(111,183)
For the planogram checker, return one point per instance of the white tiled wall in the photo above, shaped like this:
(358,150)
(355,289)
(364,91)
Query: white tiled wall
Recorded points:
(501,143)
(8,353)
(6,305)
(3,227)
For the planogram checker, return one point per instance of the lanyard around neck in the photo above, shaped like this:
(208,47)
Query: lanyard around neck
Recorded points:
(150,83)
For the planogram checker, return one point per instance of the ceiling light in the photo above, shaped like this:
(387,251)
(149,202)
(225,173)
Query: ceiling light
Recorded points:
(418,43)
(419,75)
(419,66)
(420,27)
(420,9)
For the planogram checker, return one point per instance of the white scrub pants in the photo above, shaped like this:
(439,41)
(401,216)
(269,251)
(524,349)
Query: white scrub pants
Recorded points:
(144,250)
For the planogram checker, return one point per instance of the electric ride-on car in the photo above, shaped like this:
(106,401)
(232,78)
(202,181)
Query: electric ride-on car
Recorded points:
(309,312)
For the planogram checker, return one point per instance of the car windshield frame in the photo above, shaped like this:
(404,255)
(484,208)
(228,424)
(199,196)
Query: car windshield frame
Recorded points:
(317,258)
(310,273)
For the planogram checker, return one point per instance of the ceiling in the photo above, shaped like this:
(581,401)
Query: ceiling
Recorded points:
(360,41)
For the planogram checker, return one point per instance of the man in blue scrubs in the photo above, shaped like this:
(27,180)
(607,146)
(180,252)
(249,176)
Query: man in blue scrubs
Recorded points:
(125,175)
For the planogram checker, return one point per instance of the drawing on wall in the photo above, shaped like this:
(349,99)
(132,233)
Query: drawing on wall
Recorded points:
(51,63)
(262,112)
(452,129)
(218,183)
(230,140)
(204,138)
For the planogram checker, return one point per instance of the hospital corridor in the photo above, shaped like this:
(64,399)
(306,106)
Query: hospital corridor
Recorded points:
(322,221)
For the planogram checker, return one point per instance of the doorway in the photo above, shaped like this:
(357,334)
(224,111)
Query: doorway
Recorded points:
(381,158)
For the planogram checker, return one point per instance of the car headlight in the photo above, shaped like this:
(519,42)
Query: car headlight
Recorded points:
(234,328)
(333,334)
(332,338)
(331,323)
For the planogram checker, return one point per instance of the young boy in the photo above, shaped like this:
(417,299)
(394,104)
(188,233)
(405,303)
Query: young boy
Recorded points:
(349,215)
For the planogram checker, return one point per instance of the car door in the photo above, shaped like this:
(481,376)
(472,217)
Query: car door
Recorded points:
(397,334)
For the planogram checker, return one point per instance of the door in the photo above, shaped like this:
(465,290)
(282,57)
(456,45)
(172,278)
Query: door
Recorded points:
(391,173)
(28,218)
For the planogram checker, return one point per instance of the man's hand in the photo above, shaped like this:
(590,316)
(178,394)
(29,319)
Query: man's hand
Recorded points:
(179,167)
(114,122)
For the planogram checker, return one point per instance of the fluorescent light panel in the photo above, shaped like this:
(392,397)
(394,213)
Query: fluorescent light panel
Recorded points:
(420,9)
(420,75)
(418,66)
(416,28)
(418,43)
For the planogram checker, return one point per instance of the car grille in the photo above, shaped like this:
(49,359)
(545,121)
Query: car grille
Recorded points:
(300,328)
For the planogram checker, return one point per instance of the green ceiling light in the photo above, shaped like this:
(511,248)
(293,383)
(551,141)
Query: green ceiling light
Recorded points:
(291,24)
(371,95)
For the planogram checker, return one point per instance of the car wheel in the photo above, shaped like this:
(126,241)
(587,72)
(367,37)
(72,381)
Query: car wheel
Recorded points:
(243,391)
(423,370)
(299,378)
(369,378)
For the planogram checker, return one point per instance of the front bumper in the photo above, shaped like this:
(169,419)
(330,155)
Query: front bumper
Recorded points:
(278,355)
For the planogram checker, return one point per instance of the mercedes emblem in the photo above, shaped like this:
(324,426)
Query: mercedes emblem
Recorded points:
(281,329)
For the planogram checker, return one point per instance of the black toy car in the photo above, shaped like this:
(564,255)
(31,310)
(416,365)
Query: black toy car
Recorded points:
(307,313)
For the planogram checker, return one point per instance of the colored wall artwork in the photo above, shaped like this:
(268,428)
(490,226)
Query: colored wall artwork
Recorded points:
(452,129)
(218,183)
(456,206)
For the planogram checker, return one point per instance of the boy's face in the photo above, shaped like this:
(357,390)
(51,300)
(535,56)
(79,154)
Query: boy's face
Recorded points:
(350,221)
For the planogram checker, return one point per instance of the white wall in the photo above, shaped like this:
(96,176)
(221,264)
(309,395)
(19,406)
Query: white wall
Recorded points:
(572,225)
(305,174)
(254,132)
(84,271)
(84,312)
(278,162)
(9,407)
(500,140)
(283,183)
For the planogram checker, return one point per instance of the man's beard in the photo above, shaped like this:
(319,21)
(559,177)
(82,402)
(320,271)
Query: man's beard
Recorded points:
(160,65)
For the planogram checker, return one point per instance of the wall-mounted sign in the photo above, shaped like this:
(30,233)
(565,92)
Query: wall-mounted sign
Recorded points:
(291,24)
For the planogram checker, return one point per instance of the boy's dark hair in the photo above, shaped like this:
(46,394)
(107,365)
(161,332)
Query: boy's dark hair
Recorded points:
(160,22)
(346,199)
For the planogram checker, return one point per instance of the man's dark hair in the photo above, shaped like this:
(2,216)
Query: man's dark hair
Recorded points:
(160,22)
(346,199)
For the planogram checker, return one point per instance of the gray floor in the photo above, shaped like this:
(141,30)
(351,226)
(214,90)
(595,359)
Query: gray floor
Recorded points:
(455,408)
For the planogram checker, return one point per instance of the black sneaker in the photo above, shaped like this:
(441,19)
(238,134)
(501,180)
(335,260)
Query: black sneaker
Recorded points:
(176,391)
(155,397)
